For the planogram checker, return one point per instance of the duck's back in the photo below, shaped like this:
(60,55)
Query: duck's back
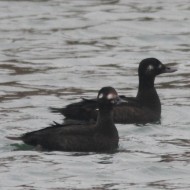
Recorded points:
(85,110)
(130,112)
(134,114)
(70,138)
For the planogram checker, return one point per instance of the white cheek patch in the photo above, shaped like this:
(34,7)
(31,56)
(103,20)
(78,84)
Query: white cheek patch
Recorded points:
(110,96)
(100,96)
(150,68)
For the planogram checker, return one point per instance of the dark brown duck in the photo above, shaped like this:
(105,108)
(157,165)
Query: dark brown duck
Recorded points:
(102,136)
(143,108)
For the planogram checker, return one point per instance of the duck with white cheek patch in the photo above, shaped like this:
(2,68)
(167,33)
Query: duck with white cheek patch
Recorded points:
(143,108)
(102,136)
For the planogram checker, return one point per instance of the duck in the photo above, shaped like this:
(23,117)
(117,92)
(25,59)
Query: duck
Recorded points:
(142,109)
(99,137)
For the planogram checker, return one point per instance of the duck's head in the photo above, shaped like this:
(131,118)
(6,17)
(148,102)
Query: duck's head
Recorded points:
(108,97)
(151,67)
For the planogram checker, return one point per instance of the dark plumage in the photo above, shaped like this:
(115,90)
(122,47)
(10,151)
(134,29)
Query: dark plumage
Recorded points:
(143,108)
(102,136)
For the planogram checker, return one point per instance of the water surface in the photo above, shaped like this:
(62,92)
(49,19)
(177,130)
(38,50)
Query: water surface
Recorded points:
(54,52)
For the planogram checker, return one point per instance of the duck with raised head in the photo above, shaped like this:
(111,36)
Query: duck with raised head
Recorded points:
(144,108)
(102,136)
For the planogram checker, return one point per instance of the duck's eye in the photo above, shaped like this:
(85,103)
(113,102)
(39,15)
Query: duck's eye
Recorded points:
(160,66)
(100,96)
(110,96)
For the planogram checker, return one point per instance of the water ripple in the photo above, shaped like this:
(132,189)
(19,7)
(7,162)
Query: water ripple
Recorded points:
(53,53)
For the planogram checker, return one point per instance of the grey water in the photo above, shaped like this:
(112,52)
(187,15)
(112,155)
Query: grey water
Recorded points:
(53,52)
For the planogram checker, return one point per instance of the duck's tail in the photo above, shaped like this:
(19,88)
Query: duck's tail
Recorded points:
(14,138)
(84,110)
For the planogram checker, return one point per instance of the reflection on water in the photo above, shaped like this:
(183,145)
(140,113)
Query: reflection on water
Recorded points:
(54,52)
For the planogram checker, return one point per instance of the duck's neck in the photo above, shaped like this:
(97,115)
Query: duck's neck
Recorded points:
(147,94)
(105,121)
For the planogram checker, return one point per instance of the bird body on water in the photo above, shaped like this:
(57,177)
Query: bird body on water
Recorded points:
(143,108)
(102,136)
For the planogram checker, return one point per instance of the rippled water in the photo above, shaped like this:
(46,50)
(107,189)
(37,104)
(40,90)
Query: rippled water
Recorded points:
(54,52)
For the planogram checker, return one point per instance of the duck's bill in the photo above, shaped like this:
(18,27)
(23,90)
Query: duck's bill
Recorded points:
(169,70)
(120,101)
